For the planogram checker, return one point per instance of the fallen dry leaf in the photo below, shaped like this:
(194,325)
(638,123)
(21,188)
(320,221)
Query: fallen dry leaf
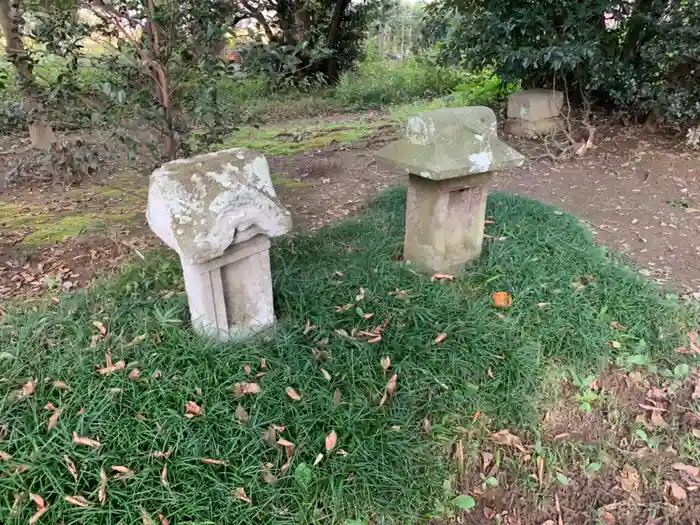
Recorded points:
(293,393)
(193,409)
(243,388)
(657,420)
(286,443)
(49,406)
(386,363)
(390,389)
(211,461)
(342,452)
(440,338)
(163,519)
(111,368)
(688,469)
(343,308)
(501,300)
(693,339)
(4,456)
(145,518)
(269,436)
(71,467)
(38,500)
(102,491)
(426,425)
(318,459)
(629,480)
(263,363)
(77,500)
(161,454)
(367,315)
(331,439)
(677,491)
(360,295)
(164,476)
(27,390)
(38,514)
(607,517)
(325,374)
(198,391)
(308,326)
(504,437)
(696,432)
(53,420)
(374,339)
(134,374)
(337,396)
(61,385)
(101,327)
(616,345)
(242,414)
(246,369)
(442,277)
(240,492)
(122,470)
(82,440)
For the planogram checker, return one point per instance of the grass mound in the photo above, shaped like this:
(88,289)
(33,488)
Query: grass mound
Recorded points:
(385,466)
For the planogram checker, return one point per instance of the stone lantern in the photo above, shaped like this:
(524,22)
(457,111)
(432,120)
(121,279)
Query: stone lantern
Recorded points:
(449,155)
(218,211)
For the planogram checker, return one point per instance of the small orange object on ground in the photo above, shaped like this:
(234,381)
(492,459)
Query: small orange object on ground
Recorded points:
(501,299)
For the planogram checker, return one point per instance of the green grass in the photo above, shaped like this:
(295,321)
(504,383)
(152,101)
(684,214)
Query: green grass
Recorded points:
(393,471)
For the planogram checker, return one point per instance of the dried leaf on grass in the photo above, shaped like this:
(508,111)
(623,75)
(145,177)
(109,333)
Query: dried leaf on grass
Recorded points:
(101,327)
(53,420)
(243,388)
(440,338)
(240,493)
(242,414)
(677,491)
(27,390)
(38,514)
(193,409)
(77,500)
(145,518)
(501,300)
(360,295)
(110,367)
(688,469)
(390,389)
(102,492)
(134,374)
(61,385)
(4,456)
(122,470)
(325,374)
(318,459)
(386,363)
(504,437)
(86,441)
(442,277)
(657,420)
(337,396)
(331,440)
(70,465)
(38,500)
(293,393)
(629,480)
(164,476)
(211,461)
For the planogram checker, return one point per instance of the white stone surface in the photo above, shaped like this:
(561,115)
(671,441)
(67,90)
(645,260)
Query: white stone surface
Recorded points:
(217,211)
(535,104)
(202,205)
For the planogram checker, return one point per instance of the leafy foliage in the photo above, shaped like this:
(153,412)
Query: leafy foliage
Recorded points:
(642,57)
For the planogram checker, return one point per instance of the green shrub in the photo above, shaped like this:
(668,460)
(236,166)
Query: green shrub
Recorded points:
(377,83)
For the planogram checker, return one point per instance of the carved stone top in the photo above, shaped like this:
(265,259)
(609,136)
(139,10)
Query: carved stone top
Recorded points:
(449,143)
(202,205)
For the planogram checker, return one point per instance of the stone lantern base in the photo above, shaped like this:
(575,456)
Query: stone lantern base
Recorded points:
(230,297)
(445,221)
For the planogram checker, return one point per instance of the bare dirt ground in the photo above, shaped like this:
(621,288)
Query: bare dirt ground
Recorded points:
(638,192)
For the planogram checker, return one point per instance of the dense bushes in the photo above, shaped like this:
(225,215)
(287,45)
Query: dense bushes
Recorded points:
(642,57)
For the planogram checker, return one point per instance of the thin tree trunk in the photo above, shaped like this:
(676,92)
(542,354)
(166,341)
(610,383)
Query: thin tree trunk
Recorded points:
(40,132)
(334,37)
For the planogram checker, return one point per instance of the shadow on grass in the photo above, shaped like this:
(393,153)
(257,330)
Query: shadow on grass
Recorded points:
(566,290)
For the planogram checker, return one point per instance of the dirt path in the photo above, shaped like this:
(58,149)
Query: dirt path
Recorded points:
(638,193)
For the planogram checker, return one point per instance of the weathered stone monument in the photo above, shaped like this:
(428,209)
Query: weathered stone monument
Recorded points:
(218,211)
(534,112)
(449,155)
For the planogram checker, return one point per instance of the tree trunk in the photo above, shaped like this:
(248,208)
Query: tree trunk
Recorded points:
(40,132)
(334,37)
